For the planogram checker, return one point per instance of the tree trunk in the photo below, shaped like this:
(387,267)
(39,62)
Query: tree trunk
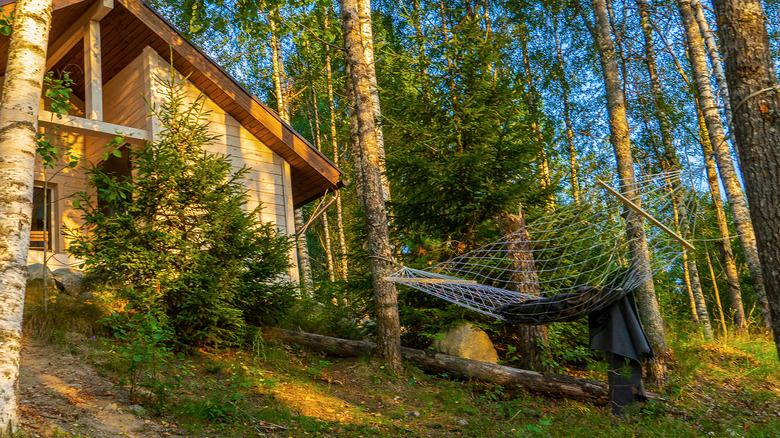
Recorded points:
(691,271)
(325,226)
(367,38)
(277,61)
(555,385)
(730,265)
(573,167)
(369,161)
(18,135)
(749,241)
(752,83)
(647,302)
(728,175)
(528,338)
(334,141)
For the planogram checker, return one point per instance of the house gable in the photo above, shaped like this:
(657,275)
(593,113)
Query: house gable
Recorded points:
(125,29)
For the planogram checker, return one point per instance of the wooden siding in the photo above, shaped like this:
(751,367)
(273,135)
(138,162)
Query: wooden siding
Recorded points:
(265,178)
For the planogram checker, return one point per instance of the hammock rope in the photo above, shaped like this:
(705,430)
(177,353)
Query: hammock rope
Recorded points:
(566,264)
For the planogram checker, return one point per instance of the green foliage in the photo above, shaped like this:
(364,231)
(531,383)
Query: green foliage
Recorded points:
(175,237)
(57,90)
(458,135)
(140,348)
(6,21)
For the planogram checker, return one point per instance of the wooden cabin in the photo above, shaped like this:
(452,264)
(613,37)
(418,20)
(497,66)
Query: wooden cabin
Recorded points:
(113,49)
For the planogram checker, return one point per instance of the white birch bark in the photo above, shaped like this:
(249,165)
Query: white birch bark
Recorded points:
(18,134)
(334,142)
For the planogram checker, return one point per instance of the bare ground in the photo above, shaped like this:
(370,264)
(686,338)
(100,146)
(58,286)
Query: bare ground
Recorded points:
(62,395)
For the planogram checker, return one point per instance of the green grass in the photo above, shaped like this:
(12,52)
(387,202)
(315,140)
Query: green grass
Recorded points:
(727,387)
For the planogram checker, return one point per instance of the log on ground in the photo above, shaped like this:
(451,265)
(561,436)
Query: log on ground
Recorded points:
(557,385)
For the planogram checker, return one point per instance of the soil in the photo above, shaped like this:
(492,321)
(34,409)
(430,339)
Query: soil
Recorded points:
(63,395)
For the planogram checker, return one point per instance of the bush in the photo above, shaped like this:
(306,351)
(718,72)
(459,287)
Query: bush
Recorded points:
(175,238)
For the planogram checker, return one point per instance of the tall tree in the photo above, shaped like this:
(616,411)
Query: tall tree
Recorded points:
(621,144)
(748,239)
(755,103)
(720,147)
(277,61)
(18,134)
(379,250)
(691,271)
(336,155)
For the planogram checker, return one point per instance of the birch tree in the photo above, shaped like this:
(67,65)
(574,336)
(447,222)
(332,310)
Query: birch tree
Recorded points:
(18,134)
(647,302)
(368,161)
(691,271)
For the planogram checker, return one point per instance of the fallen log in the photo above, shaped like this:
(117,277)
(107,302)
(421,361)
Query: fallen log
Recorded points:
(557,385)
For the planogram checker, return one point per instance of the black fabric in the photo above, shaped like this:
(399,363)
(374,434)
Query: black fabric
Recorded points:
(617,331)
(560,308)
(625,382)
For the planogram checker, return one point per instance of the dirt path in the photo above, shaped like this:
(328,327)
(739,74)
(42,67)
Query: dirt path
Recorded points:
(62,395)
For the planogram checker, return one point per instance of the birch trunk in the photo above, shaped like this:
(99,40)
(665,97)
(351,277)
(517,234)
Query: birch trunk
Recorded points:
(691,270)
(717,138)
(334,142)
(729,264)
(752,83)
(18,135)
(277,61)
(748,240)
(325,226)
(647,302)
(367,38)
(380,256)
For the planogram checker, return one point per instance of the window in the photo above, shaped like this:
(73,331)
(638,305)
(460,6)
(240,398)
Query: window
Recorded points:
(42,225)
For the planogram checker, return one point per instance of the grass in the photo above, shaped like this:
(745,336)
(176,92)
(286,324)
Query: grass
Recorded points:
(727,387)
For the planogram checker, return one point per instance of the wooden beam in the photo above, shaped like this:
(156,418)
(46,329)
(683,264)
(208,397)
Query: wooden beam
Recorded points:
(94,128)
(75,32)
(646,215)
(93,74)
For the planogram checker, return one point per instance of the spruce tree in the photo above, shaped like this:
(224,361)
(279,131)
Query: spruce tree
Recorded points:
(176,237)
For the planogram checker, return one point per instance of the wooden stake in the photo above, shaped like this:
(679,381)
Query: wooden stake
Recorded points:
(646,215)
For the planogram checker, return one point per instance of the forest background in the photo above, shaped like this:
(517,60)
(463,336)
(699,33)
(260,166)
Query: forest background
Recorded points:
(478,108)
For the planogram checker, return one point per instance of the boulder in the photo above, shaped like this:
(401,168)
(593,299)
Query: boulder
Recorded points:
(71,280)
(35,274)
(468,342)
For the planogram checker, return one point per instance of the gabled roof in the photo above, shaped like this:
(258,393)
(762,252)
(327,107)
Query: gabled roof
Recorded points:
(131,26)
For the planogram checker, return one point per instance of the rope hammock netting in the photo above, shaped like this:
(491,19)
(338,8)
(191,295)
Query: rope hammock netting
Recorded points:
(570,262)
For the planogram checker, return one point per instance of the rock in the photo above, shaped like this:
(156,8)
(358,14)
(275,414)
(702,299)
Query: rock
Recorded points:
(35,274)
(461,422)
(111,407)
(412,414)
(70,279)
(468,342)
(137,410)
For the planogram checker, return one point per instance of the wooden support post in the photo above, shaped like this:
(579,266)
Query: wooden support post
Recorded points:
(74,33)
(646,215)
(93,75)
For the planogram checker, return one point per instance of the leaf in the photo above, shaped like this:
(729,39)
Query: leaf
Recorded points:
(117,153)
(763,109)
(105,156)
